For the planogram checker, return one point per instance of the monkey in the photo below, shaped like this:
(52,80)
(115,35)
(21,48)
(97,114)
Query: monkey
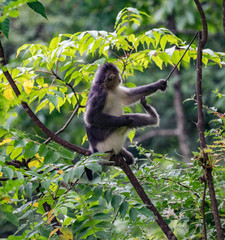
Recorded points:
(106,124)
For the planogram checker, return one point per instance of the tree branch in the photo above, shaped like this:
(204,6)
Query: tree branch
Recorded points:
(224,16)
(200,123)
(140,191)
(55,223)
(204,231)
(34,118)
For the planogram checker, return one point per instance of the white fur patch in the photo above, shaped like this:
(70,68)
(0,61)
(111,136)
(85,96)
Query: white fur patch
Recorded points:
(114,141)
(113,105)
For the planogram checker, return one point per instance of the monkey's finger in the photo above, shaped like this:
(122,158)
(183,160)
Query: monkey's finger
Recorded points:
(143,101)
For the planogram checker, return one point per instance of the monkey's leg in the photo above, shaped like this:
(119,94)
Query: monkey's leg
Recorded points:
(141,120)
(127,156)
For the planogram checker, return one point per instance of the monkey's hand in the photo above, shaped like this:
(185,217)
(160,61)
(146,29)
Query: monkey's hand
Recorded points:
(143,102)
(162,83)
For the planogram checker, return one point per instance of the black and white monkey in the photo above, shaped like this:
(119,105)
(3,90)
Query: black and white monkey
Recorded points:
(106,124)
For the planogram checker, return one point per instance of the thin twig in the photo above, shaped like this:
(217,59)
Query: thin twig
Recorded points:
(65,126)
(70,86)
(174,68)
(182,185)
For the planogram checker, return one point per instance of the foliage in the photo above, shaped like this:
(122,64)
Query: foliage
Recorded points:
(9,9)
(36,175)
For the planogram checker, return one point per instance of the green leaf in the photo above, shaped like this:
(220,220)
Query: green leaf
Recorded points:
(46,184)
(136,232)
(31,149)
(65,153)
(103,235)
(79,171)
(53,99)
(108,195)
(38,8)
(19,175)
(66,232)
(42,150)
(28,190)
(4,27)
(123,209)
(7,172)
(158,61)
(131,135)
(51,157)
(133,213)
(98,192)
(101,216)
(41,105)
(121,30)
(3,132)
(163,42)
(116,200)
(54,43)
(94,166)
(11,218)
(16,152)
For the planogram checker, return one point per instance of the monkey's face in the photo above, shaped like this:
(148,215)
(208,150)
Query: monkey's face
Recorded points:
(112,80)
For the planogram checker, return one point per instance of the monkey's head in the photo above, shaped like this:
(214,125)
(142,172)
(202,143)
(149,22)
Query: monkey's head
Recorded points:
(108,76)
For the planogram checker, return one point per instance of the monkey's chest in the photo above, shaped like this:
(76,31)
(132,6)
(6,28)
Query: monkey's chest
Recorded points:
(113,105)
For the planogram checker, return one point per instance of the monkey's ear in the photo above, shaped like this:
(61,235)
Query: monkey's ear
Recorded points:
(112,76)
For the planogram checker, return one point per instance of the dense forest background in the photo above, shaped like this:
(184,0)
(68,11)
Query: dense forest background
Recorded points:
(177,137)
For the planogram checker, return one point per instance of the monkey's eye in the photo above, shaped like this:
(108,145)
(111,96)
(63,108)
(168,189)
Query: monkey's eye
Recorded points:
(111,77)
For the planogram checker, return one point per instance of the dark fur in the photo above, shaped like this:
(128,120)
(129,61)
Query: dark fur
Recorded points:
(103,124)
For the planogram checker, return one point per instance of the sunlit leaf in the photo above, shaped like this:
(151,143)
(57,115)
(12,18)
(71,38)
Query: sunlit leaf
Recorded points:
(28,86)
(66,232)
(8,94)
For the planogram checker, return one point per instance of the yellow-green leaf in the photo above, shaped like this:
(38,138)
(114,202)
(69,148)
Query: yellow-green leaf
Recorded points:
(54,43)
(158,61)
(163,42)
(131,38)
(67,233)
(28,86)
(131,135)
(8,94)
(41,105)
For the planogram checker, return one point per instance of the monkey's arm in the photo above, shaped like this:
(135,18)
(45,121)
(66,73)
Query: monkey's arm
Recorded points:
(104,120)
(132,95)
